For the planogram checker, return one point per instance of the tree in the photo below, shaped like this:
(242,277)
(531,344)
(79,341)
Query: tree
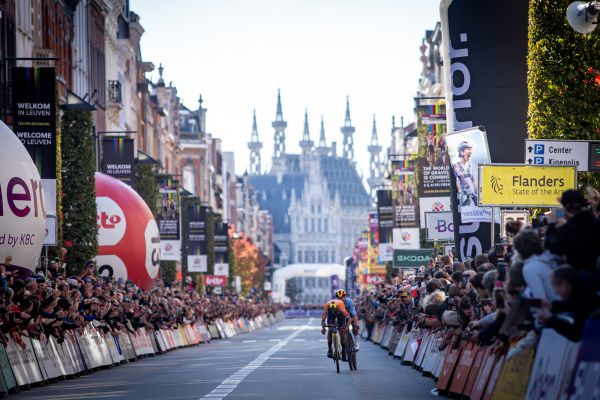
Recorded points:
(249,263)
(79,230)
(146,186)
(563,78)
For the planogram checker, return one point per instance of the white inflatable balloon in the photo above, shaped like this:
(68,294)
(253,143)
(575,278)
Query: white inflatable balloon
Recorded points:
(22,211)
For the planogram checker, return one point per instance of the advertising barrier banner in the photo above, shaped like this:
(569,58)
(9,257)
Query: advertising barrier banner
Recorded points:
(525,185)
(406,239)
(118,159)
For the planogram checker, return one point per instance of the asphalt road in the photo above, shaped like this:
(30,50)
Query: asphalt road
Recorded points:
(285,361)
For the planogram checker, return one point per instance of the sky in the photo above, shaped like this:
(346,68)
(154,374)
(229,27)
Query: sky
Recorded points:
(237,53)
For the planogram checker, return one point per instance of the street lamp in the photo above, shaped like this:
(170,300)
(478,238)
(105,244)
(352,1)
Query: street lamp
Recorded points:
(583,16)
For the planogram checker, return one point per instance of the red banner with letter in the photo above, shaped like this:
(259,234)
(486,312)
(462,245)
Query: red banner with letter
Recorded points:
(215,280)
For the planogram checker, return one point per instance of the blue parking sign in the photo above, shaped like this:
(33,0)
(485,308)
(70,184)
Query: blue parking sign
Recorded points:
(538,160)
(538,149)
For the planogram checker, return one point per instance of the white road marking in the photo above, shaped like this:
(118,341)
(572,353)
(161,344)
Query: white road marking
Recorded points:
(230,383)
(249,341)
(299,340)
(275,340)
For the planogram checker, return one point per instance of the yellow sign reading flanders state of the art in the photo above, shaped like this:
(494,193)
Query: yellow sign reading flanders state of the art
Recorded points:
(524,185)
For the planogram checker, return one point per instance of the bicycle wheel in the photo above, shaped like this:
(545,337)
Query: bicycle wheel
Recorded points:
(350,352)
(337,352)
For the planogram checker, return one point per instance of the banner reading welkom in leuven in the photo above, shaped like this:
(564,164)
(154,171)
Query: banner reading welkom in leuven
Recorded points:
(118,159)
(34,123)
(524,185)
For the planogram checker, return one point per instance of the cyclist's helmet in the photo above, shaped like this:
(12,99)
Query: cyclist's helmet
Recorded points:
(340,293)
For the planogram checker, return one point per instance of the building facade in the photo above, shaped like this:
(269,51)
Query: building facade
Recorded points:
(317,199)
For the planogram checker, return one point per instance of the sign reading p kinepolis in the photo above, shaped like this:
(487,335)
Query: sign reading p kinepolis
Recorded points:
(22,204)
(485,69)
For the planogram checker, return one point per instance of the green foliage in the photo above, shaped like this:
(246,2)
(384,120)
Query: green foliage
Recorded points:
(146,186)
(78,189)
(168,270)
(563,78)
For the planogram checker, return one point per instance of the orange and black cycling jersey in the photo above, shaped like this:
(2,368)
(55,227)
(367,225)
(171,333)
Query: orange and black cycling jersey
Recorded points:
(339,306)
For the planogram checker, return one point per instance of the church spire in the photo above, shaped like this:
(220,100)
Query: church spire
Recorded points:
(323,149)
(374,160)
(306,144)
(348,130)
(255,145)
(279,136)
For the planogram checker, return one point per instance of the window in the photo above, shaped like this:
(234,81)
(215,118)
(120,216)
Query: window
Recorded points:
(299,256)
(312,224)
(189,179)
(319,225)
(319,209)
(332,256)
(325,225)
(305,224)
(310,283)
(312,208)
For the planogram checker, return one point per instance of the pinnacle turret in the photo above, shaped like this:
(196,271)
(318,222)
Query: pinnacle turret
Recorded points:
(279,136)
(306,144)
(374,160)
(348,130)
(254,146)
(322,149)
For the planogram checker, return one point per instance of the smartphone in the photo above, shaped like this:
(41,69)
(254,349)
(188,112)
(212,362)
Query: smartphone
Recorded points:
(560,213)
(477,312)
(464,281)
(501,271)
(533,303)
(500,249)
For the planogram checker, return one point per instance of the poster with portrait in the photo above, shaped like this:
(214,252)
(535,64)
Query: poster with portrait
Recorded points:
(466,150)
(434,176)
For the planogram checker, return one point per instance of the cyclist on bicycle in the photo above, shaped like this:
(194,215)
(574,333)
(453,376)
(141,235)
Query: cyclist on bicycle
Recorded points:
(341,294)
(336,314)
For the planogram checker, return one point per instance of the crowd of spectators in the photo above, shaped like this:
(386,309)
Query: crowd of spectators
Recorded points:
(544,274)
(48,303)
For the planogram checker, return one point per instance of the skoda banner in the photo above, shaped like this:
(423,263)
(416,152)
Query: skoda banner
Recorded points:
(118,159)
(412,258)
(34,123)
(485,74)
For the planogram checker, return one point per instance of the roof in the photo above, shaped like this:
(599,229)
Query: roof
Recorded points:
(342,178)
(275,197)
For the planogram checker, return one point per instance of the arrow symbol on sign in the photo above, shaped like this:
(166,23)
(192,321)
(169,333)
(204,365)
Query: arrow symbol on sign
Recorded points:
(529,161)
(530,149)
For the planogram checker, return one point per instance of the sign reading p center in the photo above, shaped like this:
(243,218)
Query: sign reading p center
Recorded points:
(524,185)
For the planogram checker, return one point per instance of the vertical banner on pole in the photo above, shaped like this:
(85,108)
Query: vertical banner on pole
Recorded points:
(196,237)
(118,159)
(385,220)
(168,220)
(34,123)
